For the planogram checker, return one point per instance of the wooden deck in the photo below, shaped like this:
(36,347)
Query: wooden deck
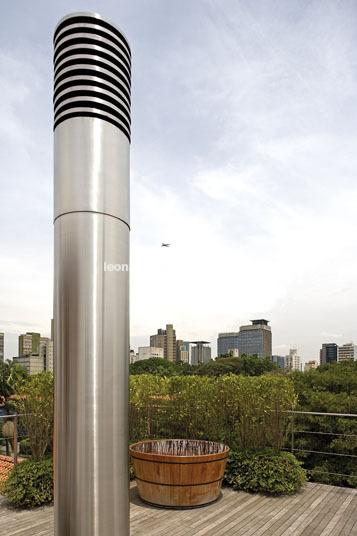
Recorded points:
(318,510)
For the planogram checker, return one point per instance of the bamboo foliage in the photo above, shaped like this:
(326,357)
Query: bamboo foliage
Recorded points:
(237,410)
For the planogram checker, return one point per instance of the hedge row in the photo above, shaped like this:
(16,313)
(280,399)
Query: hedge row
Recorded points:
(241,411)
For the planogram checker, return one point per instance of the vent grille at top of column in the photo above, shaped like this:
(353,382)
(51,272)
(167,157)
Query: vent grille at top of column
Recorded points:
(92,64)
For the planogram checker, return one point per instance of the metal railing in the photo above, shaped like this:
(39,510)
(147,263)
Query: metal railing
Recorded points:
(313,453)
(15,437)
(295,431)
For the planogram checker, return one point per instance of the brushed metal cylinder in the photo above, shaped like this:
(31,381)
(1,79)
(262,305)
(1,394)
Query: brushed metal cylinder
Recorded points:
(91,280)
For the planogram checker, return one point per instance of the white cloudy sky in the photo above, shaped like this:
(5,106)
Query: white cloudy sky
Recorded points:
(244,157)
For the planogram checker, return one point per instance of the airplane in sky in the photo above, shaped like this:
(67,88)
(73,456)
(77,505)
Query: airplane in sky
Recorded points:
(165,245)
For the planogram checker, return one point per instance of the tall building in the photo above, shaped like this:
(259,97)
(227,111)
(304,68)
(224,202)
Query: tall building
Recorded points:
(310,365)
(2,346)
(347,352)
(226,342)
(149,352)
(36,353)
(166,339)
(132,357)
(293,360)
(29,343)
(279,360)
(255,339)
(328,353)
(46,352)
(32,362)
(200,353)
(182,351)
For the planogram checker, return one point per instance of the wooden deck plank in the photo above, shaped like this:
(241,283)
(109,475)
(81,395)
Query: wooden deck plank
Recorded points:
(288,507)
(318,510)
(329,529)
(305,523)
(350,517)
(259,519)
(325,514)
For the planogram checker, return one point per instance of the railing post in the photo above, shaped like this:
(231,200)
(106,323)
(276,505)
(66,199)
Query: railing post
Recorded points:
(15,440)
(292,432)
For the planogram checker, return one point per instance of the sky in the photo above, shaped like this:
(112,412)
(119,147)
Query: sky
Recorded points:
(243,157)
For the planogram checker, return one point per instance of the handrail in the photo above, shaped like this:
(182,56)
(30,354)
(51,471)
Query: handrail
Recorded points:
(13,415)
(323,413)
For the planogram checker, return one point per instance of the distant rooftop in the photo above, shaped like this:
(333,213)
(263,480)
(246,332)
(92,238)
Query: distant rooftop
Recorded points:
(260,321)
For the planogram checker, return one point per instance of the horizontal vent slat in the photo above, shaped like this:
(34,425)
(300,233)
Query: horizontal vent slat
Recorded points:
(94,94)
(61,51)
(91,72)
(96,106)
(82,19)
(94,31)
(90,83)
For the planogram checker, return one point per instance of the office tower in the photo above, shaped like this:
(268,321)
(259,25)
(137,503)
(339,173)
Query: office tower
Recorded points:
(2,347)
(328,353)
(35,353)
(200,353)
(183,351)
(158,340)
(293,361)
(226,342)
(149,352)
(170,343)
(279,360)
(92,79)
(46,352)
(347,352)
(32,362)
(29,343)
(255,339)
(166,339)
(132,357)
(310,365)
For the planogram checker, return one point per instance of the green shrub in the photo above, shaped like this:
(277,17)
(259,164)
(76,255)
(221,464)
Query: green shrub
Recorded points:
(30,483)
(265,471)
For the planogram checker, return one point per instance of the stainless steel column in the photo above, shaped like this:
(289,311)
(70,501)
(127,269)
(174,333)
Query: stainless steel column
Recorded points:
(91,294)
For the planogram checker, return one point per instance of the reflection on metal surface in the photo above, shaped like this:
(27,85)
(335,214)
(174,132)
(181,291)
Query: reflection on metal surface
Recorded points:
(91,305)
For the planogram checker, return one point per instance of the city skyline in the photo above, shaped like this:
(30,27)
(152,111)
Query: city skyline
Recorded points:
(147,339)
(243,160)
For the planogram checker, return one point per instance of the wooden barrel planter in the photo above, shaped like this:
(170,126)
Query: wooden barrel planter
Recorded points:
(179,473)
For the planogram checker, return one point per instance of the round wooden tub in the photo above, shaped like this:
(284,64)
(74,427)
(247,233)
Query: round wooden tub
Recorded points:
(179,473)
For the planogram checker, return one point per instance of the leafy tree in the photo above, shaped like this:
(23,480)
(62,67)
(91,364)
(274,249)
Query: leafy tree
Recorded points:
(216,368)
(328,389)
(246,365)
(160,367)
(253,366)
(12,376)
(36,405)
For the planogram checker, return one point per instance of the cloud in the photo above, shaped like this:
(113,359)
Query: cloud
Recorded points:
(243,157)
